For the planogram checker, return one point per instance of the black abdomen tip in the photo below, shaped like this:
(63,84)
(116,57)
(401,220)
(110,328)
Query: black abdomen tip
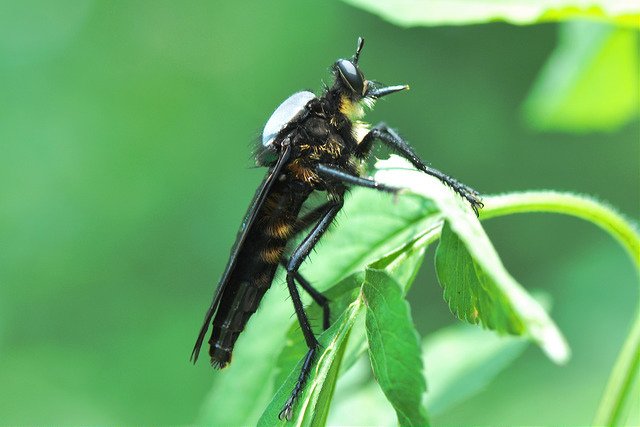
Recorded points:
(220,357)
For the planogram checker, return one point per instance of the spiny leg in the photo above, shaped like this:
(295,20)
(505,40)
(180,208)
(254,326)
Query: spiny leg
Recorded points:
(307,220)
(334,173)
(394,141)
(312,344)
(320,299)
(310,217)
(298,256)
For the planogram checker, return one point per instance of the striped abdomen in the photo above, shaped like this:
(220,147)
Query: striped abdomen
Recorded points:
(256,264)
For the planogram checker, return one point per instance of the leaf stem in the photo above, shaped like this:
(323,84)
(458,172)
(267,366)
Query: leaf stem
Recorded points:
(626,370)
(580,206)
(621,381)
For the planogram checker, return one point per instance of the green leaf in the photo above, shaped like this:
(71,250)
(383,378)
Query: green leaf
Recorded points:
(371,225)
(477,286)
(394,347)
(402,265)
(478,289)
(590,81)
(462,361)
(619,395)
(341,296)
(378,229)
(357,389)
(411,13)
(470,292)
(312,406)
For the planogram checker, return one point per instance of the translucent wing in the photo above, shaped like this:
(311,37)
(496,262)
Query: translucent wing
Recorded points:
(254,207)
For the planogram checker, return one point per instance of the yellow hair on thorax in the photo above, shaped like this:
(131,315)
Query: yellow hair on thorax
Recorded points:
(353,110)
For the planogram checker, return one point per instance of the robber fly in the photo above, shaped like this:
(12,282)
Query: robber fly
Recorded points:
(310,144)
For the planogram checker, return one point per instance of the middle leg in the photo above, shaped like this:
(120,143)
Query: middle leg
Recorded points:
(298,256)
(317,296)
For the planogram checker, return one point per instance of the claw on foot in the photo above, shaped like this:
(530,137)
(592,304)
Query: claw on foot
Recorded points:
(287,410)
(469,194)
(475,201)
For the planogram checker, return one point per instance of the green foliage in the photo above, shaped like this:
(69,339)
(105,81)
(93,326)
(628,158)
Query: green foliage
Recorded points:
(521,12)
(483,292)
(477,287)
(620,395)
(483,302)
(313,405)
(394,348)
(462,360)
(341,296)
(617,398)
(391,223)
(125,132)
(590,81)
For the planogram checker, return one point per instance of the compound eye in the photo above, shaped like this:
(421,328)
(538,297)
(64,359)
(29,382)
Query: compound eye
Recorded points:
(351,75)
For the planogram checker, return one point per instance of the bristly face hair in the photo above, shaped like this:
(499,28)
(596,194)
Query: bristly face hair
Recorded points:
(311,145)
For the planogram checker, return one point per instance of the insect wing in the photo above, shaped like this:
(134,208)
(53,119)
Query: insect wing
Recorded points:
(254,207)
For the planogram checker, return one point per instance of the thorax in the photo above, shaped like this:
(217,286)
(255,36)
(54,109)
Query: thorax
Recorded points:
(326,136)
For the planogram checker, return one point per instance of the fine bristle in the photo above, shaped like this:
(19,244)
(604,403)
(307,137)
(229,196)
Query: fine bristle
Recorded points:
(369,102)
(219,364)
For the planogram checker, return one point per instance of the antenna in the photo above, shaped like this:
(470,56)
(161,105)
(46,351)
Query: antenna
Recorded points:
(358,50)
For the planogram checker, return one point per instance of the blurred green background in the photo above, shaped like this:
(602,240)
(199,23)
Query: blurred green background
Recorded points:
(125,170)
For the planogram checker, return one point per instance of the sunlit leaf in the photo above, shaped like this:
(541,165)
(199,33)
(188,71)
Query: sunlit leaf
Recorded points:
(394,348)
(589,83)
(358,389)
(402,265)
(341,296)
(478,289)
(470,293)
(477,286)
(370,226)
(312,406)
(462,360)
(411,13)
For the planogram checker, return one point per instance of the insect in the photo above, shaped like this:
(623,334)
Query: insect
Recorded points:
(310,144)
